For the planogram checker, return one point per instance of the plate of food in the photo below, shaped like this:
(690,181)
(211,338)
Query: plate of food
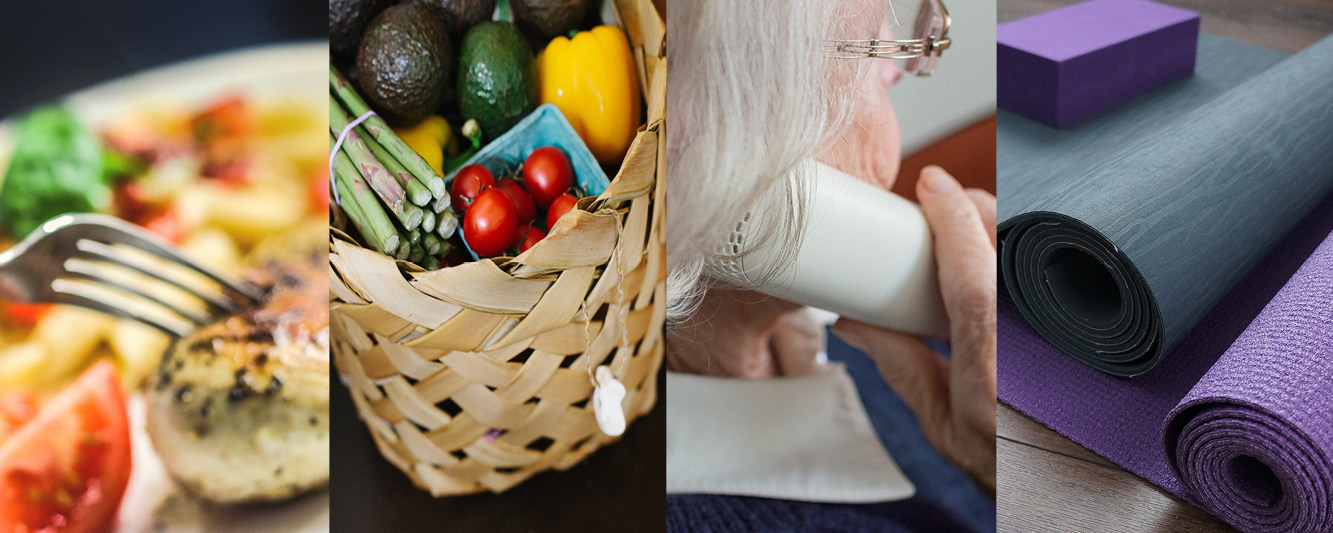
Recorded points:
(108,424)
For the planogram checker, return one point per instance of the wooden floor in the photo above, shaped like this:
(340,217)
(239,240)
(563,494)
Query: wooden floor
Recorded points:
(1050,483)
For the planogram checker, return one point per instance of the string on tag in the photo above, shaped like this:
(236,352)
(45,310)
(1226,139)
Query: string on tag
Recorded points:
(620,291)
(337,145)
(608,392)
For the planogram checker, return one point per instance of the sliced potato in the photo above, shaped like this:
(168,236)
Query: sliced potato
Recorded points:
(214,247)
(138,347)
(70,334)
(252,215)
(21,364)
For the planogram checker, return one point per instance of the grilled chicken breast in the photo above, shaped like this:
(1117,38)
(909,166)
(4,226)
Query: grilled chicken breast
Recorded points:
(238,411)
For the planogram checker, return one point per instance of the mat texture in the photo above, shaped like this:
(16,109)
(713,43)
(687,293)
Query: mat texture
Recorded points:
(1116,263)
(1251,424)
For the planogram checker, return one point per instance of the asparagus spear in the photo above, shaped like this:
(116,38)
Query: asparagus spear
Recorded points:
(380,131)
(445,226)
(417,254)
(413,213)
(374,173)
(362,207)
(403,250)
(414,236)
(428,222)
(416,192)
(431,243)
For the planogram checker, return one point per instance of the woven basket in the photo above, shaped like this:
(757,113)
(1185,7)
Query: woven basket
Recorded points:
(476,377)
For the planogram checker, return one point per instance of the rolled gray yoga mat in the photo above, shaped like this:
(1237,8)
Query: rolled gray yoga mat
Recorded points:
(1115,264)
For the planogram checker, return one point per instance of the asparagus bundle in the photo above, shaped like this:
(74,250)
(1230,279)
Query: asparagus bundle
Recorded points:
(362,206)
(380,131)
(391,195)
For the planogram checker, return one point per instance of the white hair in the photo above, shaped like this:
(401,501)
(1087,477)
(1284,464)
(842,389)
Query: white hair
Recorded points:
(751,94)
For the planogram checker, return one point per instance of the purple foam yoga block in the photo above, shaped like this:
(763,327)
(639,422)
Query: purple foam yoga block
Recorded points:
(1065,65)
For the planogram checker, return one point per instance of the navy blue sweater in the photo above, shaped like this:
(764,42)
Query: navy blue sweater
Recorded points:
(945,500)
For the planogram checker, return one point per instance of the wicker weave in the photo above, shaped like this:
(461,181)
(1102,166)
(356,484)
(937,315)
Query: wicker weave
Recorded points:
(476,377)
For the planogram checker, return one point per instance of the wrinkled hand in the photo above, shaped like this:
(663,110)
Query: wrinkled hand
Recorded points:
(745,334)
(954,399)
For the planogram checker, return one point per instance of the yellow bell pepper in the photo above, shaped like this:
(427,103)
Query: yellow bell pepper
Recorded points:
(430,139)
(592,79)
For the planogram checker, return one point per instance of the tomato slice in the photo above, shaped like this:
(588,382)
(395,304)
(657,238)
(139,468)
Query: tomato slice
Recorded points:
(16,409)
(66,470)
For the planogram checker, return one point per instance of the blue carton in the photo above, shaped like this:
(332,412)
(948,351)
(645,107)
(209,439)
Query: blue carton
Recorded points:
(545,126)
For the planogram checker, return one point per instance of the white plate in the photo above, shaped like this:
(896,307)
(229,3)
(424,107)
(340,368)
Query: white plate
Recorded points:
(265,75)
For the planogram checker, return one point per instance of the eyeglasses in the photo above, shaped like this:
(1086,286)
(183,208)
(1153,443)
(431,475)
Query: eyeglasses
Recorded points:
(930,37)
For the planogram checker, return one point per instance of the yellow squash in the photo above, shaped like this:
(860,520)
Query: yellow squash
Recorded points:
(592,79)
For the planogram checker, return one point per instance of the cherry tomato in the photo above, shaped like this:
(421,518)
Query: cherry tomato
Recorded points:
(468,184)
(24,314)
(66,469)
(527,212)
(529,236)
(490,223)
(561,205)
(546,174)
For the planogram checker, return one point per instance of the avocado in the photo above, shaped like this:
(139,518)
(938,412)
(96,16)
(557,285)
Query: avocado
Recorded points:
(549,18)
(462,15)
(347,21)
(497,81)
(405,63)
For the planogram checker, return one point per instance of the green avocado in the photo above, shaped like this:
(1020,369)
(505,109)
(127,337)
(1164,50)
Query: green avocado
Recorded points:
(405,63)
(462,15)
(548,18)
(347,21)
(497,80)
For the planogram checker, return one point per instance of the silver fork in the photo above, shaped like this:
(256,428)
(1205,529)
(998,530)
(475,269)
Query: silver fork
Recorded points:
(69,260)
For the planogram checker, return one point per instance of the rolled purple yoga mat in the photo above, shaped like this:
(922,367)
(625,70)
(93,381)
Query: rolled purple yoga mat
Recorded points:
(1253,441)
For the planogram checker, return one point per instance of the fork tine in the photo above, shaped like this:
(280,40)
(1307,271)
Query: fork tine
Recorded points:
(103,252)
(141,239)
(70,293)
(81,270)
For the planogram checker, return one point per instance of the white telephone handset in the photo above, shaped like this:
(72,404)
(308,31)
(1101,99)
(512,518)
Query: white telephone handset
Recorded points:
(867,254)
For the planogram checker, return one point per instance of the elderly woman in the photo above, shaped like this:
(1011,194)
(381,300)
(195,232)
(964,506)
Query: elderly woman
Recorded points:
(756,88)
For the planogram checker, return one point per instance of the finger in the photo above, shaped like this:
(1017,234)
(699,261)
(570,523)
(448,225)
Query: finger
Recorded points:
(985,203)
(966,260)
(912,369)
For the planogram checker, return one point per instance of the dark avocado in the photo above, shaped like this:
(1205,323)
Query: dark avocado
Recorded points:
(497,81)
(347,21)
(405,63)
(549,18)
(462,15)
